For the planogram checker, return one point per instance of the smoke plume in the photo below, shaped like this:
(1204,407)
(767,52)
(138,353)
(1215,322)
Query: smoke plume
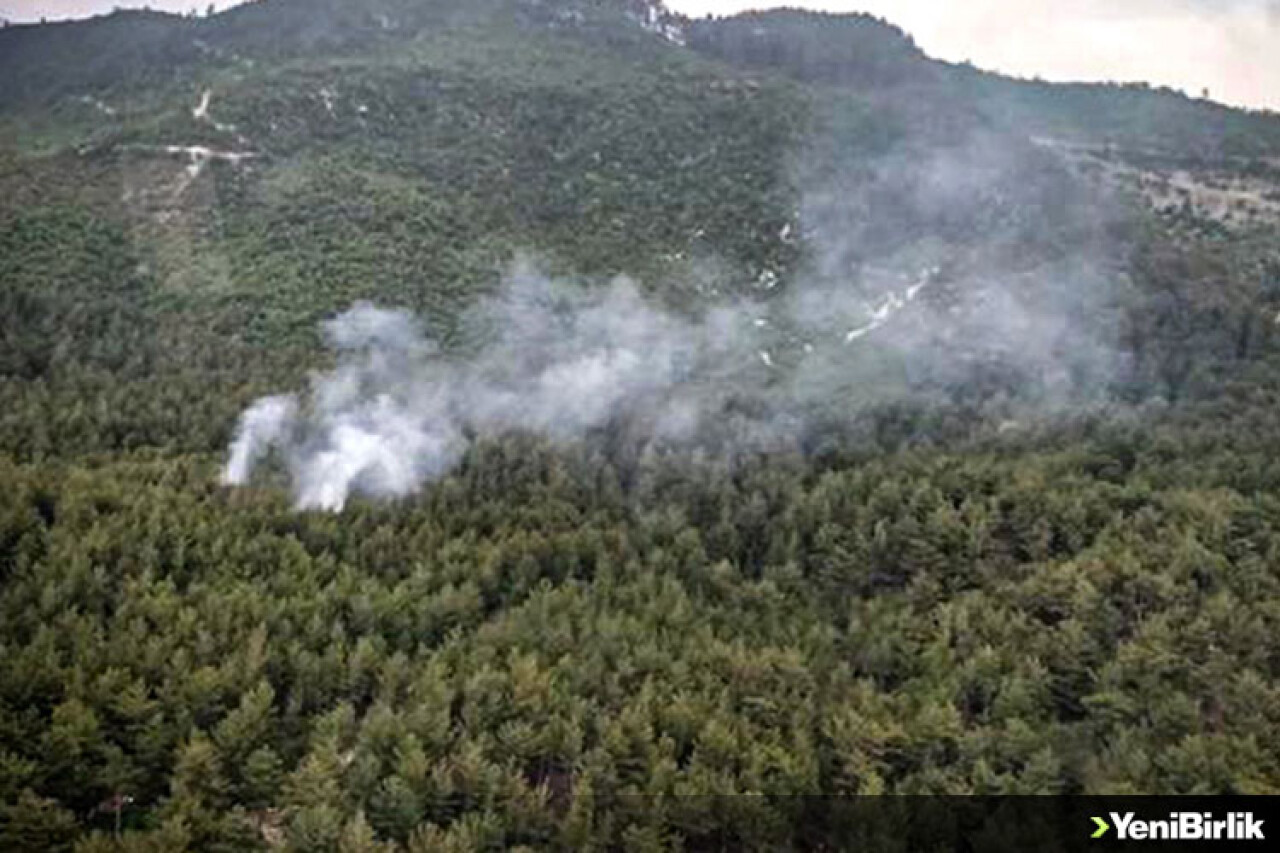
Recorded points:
(967,274)
(263,425)
(563,361)
(560,361)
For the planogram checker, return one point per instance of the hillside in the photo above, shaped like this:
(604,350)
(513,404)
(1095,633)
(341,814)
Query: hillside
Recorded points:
(433,425)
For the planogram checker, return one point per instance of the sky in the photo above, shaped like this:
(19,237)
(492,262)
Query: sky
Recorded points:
(1229,47)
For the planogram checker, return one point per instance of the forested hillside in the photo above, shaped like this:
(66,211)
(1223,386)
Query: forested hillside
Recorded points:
(975,487)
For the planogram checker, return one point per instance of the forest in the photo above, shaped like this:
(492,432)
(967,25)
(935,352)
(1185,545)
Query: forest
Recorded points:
(1020,535)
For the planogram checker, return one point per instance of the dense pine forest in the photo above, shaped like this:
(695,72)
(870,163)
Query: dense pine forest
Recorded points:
(984,498)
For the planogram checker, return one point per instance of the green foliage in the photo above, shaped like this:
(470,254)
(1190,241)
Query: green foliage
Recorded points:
(814,47)
(998,621)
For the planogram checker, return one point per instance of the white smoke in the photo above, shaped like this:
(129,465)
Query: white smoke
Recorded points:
(911,294)
(263,425)
(559,361)
(562,361)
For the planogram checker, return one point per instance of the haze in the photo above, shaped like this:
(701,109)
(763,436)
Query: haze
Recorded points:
(1224,47)
(1228,47)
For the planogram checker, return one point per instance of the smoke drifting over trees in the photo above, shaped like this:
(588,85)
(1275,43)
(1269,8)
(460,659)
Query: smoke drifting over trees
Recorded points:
(563,361)
(969,270)
(560,362)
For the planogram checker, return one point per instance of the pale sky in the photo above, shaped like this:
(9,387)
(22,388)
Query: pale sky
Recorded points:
(1230,47)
